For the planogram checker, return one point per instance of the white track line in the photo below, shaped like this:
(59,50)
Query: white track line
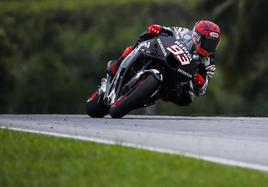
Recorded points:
(112,142)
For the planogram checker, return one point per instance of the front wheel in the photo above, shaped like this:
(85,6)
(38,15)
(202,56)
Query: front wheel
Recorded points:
(95,108)
(137,97)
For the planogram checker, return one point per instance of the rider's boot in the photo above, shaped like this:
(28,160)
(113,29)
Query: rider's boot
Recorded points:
(113,65)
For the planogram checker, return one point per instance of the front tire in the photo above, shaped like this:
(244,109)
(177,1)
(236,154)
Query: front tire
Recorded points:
(95,108)
(136,98)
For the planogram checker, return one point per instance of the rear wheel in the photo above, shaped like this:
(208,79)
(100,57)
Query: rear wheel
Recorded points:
(136,98)
(95,108)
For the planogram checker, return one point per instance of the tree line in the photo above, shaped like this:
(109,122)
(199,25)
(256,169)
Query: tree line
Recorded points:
(52,57)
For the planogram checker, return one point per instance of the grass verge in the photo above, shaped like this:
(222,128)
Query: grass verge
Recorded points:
(38,160)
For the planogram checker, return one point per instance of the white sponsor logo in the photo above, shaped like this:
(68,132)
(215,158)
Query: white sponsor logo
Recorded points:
(162,47)
(184,73)
(147,44)
(214,34)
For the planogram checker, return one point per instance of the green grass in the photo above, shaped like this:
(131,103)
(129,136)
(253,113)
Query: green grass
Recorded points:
(37,160)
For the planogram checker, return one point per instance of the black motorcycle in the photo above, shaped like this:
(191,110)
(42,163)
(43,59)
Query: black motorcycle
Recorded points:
(148,73)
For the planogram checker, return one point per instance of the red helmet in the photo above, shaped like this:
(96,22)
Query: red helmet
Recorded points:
(206,37)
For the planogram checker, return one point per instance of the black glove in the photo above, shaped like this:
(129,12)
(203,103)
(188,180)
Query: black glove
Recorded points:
(167,31)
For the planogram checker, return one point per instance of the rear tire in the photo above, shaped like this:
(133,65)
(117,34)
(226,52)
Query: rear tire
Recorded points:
(136,98)
(94,108)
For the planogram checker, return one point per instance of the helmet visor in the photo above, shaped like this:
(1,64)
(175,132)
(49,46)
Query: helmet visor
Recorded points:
(209,44)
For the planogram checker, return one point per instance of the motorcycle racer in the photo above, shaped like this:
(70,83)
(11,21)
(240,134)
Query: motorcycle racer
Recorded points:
(202,40)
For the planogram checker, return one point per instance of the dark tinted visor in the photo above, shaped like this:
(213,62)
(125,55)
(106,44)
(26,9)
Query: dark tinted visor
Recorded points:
(208,44)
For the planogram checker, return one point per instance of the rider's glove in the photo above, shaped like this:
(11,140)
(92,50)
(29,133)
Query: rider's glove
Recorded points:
(199,80)
(167,30)
(210,70)
(210,67)
(154,29)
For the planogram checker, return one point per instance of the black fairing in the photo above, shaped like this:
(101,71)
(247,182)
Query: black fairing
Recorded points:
(161,48)
(168,52)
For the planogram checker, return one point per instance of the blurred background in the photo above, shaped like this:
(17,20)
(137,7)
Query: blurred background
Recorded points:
(53,53)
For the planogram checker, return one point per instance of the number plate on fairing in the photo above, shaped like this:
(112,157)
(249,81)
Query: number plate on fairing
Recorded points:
(181,53)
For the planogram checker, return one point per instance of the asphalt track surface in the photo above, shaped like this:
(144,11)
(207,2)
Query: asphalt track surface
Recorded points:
(234,141)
